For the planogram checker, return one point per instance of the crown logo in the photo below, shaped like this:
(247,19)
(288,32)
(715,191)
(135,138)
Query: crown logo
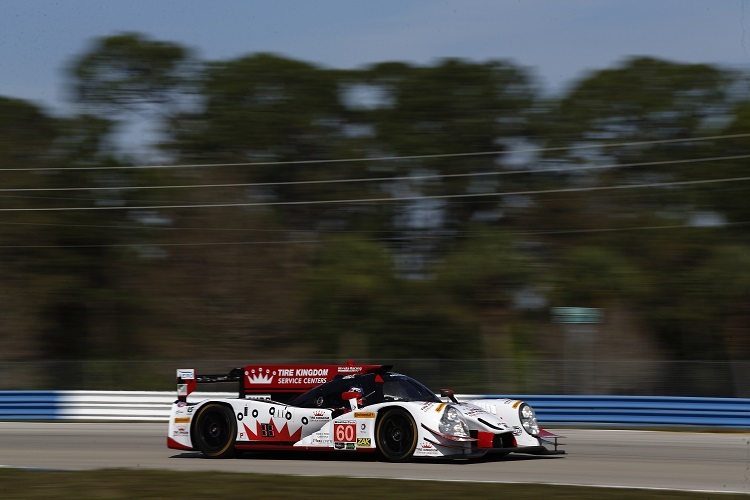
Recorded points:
(260,376)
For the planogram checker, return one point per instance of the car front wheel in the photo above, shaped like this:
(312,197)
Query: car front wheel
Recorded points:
(396,435)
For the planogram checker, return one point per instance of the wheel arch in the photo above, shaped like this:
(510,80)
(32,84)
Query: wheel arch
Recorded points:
(199,408)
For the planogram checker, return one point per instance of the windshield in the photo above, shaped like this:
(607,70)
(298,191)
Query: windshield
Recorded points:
(403,388)
(374,388)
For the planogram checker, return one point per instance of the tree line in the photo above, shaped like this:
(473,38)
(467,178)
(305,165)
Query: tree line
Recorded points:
(277,208)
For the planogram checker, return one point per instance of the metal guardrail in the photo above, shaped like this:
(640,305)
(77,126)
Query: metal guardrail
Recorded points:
(28,405)
(92,405)
(623,411)
(637,410)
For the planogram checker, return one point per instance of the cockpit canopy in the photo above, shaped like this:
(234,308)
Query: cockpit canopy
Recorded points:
(374,387)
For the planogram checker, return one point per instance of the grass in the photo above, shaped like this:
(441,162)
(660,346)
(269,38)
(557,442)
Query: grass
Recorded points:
(128,483)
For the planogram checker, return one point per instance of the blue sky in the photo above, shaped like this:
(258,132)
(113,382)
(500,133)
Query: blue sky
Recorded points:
(559,40)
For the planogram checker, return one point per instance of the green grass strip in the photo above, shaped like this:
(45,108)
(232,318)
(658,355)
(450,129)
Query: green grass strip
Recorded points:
(143,484)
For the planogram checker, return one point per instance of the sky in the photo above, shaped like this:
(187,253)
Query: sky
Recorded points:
(559,41)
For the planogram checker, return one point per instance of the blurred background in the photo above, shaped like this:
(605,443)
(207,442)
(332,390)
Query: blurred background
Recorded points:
(451,217)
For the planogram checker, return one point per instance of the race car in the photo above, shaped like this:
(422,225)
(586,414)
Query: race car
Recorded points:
(348,407)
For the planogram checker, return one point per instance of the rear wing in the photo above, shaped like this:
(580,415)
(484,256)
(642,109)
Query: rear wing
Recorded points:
(279,382)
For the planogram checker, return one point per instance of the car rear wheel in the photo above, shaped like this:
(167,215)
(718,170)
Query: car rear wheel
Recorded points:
(396,435)
(215,431)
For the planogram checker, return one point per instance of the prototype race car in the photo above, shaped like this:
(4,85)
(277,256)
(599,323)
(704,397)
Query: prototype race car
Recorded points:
(350,407)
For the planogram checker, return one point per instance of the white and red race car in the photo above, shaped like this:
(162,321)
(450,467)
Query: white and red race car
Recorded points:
(349,407)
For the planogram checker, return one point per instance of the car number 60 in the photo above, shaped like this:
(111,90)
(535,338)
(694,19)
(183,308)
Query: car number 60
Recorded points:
(344,433)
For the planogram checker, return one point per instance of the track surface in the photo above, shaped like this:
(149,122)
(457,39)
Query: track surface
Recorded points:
(716,462)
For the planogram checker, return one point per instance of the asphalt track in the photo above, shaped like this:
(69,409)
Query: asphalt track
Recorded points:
(691,461)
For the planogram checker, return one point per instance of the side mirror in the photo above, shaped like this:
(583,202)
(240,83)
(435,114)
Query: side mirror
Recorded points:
(448,393)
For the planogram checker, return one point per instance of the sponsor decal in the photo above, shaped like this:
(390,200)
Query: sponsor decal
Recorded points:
(345,432)
(267,431)
(319,415)
(470,412)
(259,397)
(516,404)
(339,446)
(362,431)
(280,413)
(351,446)
(180,431)
(427,449)
(364,442)
(350,369)
(364,414)
(308,372)
(440,407)
(517,430)
(182,420)
(260,377)
(287,376)
(182,389)
(186,374)
(426,406)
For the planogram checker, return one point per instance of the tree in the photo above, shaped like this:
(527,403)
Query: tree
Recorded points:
(642,101)
(454,107)
(27,140)
(128,73)
(266,108)
(717,299)
(596,276)
(485,273)
(350,285)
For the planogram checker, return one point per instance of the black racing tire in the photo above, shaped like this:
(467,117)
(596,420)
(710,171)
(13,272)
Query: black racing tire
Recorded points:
(396,435)
(215,430)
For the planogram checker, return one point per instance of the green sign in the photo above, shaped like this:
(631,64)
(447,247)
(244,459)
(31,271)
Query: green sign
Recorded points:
(576,315)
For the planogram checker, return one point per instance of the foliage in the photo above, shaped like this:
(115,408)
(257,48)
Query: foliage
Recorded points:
(378,212)
(128,73)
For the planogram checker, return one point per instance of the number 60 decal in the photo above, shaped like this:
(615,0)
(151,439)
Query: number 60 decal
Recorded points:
(344,433)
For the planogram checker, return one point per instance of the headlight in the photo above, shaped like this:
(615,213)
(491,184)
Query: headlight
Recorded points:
(528,419)
(453,423)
